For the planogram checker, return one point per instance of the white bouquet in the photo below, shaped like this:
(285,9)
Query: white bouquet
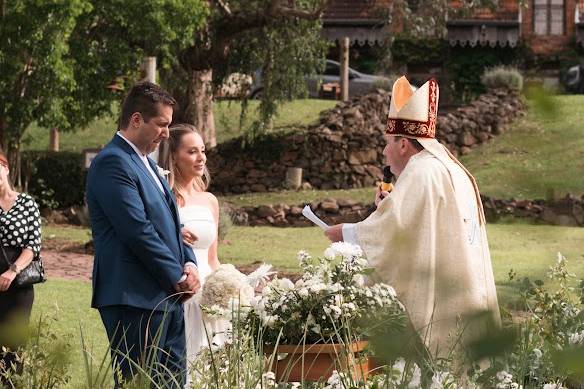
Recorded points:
(227,289)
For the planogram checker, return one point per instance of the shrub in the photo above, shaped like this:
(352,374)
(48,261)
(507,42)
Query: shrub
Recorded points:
(54,179)
(43,361)
(502,77)
(465,65)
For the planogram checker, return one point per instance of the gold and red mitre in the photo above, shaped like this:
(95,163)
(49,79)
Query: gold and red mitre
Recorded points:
(413,114)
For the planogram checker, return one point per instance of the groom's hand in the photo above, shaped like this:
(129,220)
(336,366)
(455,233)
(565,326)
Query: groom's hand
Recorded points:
(191,284)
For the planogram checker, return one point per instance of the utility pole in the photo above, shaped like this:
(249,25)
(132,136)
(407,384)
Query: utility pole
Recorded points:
(344,60)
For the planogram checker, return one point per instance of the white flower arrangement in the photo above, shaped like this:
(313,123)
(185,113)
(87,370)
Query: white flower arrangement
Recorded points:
(227,289)
(330,297)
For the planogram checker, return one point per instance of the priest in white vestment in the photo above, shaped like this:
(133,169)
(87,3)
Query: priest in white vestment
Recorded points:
(427,237)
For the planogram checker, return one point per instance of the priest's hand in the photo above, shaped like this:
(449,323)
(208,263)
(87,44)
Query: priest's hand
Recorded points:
(380,195)
(335,233)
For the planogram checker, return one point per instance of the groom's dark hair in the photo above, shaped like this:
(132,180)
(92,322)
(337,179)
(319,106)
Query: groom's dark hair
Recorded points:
(143,98)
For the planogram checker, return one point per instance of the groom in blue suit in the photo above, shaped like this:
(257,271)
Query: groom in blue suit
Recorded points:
(143,270)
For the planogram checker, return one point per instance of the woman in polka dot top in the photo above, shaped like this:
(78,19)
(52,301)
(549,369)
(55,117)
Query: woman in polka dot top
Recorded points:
(20,227)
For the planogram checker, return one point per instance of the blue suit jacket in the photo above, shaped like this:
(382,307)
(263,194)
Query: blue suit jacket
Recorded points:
(139,251)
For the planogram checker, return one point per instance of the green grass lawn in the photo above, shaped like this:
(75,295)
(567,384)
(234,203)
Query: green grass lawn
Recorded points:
(294,114)
(527,249)
(73,233)
(540,153)
(291,197)
(69,302)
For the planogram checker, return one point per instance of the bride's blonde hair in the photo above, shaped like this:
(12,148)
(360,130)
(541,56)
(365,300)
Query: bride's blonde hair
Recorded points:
(167,153)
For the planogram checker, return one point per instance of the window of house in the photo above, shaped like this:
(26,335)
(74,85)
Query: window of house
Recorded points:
(548,17)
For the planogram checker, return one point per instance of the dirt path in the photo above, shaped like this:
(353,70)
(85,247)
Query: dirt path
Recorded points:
(68,265)
(68,261)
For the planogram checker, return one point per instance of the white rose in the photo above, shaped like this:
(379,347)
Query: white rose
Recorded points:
(329,254)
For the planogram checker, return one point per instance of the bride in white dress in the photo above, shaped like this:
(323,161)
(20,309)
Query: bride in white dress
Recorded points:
(183,155)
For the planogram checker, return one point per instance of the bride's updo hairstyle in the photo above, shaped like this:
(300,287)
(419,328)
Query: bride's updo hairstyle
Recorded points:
(167,153)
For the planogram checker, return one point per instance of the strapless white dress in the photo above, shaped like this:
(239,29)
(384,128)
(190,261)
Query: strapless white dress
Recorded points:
(200,221)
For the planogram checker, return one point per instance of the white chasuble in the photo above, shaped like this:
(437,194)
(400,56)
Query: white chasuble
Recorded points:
(428,240)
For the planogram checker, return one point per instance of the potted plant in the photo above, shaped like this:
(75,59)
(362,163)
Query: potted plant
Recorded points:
(319,324)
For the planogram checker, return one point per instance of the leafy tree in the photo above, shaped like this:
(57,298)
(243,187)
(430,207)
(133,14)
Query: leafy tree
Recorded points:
(36,74)
(58,56)
(282,38)
(109,43)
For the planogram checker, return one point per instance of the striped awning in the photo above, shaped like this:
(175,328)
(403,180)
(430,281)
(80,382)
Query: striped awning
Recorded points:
(502,33)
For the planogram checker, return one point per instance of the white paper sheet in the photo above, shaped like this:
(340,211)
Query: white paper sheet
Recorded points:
(307,212)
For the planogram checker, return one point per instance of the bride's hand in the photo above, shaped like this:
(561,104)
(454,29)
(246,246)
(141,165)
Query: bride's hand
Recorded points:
(188,236)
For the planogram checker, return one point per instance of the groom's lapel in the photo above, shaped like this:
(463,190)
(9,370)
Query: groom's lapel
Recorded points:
(163,181)
(170,202)
(169,196)
(146,173)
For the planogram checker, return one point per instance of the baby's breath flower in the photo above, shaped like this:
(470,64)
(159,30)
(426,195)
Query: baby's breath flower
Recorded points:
(576,338)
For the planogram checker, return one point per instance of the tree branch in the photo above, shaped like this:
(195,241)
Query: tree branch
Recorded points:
(278,9)
(240,22)
(224,7)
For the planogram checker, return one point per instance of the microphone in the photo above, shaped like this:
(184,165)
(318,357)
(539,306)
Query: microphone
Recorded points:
(386,185)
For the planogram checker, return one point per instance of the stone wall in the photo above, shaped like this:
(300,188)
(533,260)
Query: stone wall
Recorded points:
(345,149)
(568,211)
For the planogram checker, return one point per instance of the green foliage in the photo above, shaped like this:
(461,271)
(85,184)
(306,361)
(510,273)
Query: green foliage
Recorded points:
(411,50)
(58,56)
(553,329)
(287,52)
(44,358)
(55,179)
(243,36)
(36,73)
(109,42)
(502,77)
(465,65)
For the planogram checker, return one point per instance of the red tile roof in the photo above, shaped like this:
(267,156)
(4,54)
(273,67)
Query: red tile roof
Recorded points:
(357,10)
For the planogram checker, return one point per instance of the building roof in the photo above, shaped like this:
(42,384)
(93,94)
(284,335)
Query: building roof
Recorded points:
(362,21)
(356,11)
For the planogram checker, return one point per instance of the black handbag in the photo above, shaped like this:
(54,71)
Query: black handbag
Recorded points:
(34,273)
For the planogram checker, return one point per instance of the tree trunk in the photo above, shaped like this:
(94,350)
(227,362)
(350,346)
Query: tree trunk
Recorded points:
(14,159)
(199,105)
(3,127)
(54,139)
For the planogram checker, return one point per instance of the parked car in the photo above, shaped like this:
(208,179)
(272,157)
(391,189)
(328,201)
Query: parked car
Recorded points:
(574,79)
(359,83)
